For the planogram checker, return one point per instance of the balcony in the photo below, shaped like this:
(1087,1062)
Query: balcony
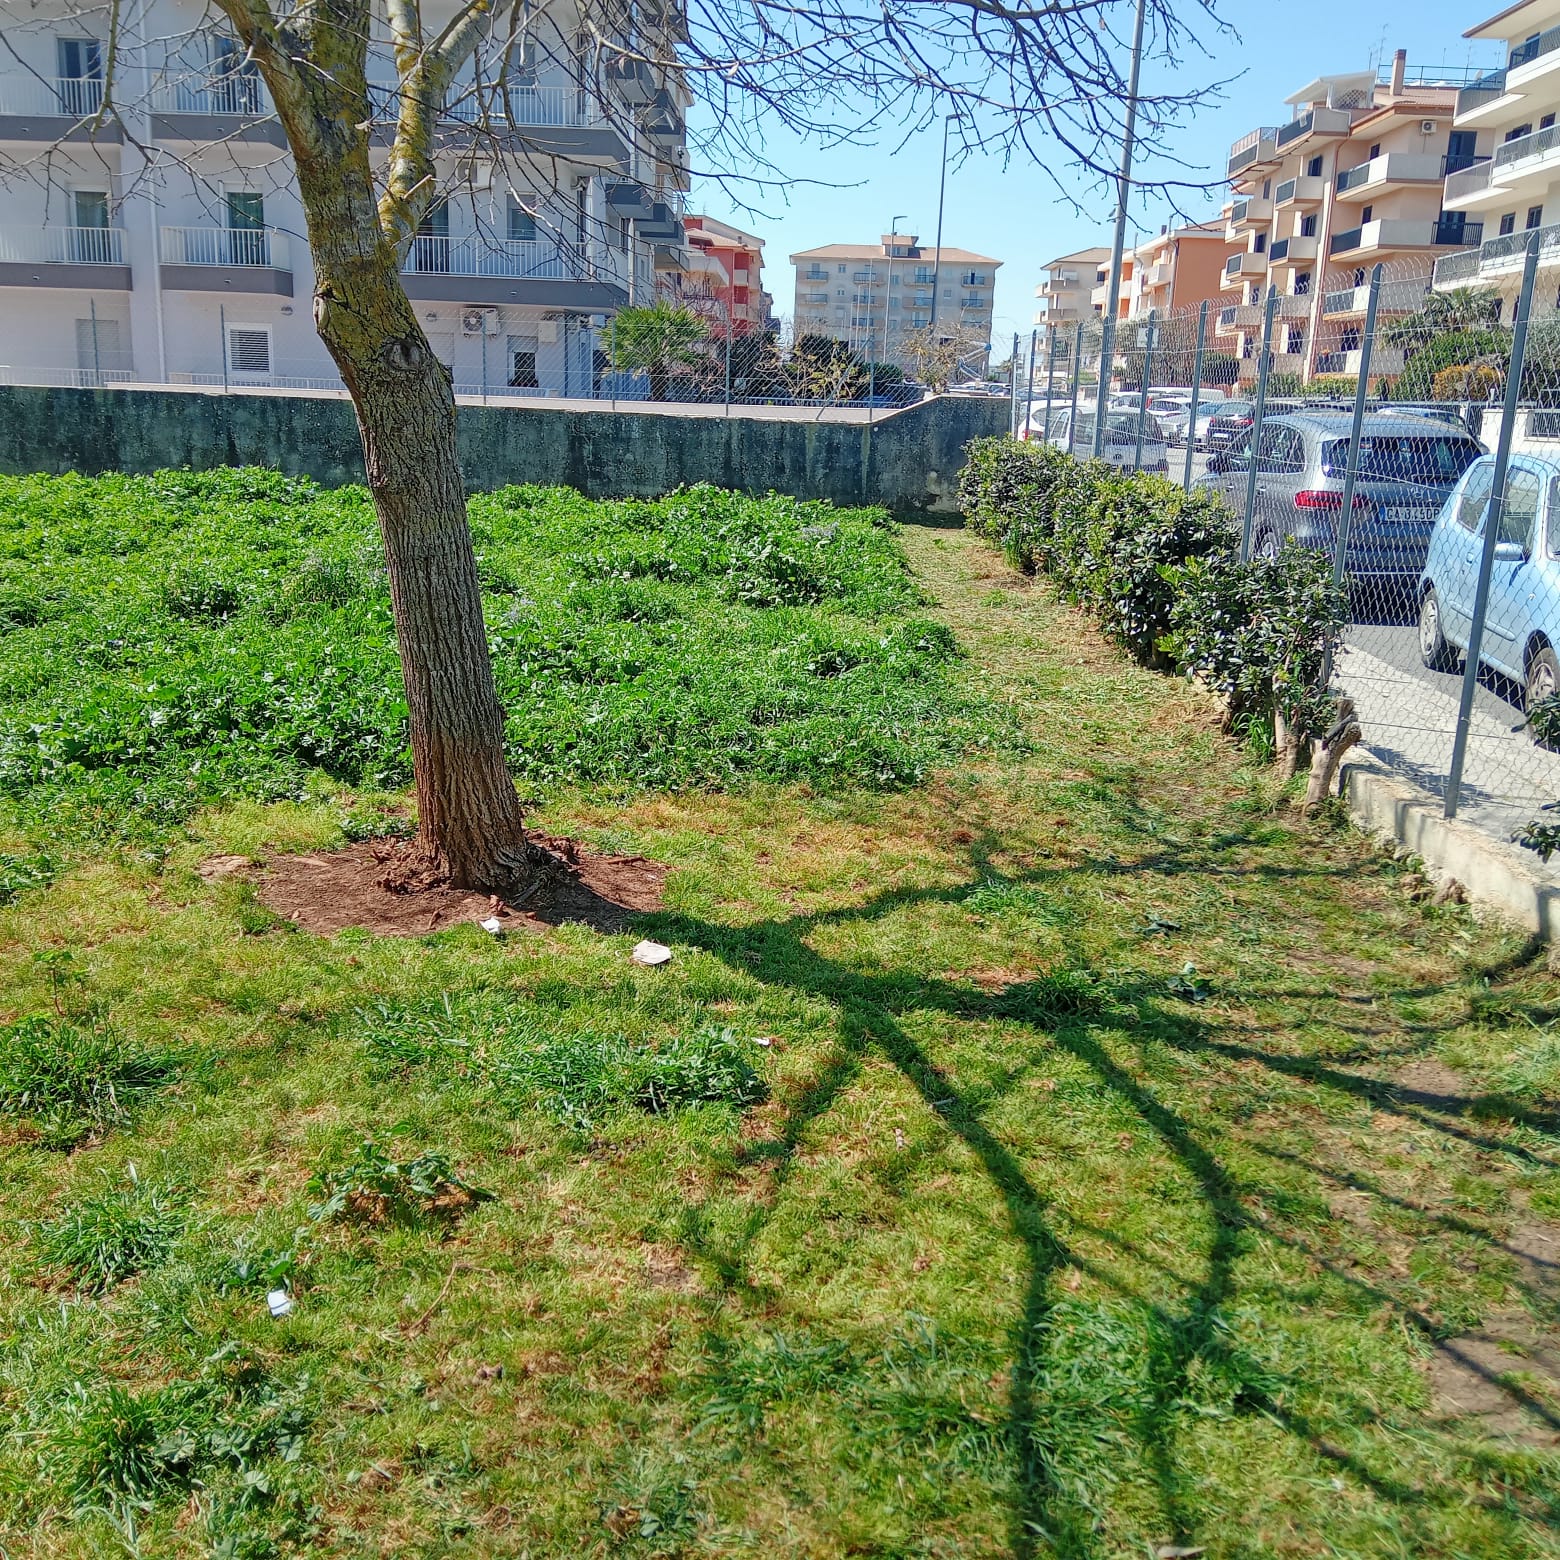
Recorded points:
(1469,183)
(1245,264)
(1478,95)
(1307,190)
(1319,121)
(1299,249)
(1535,52)
(1528,154)
(1502,255)
(489,270)
(213,259)
(1392,170)
(1250,213)
(1384,360)
(1252,150)
(633,81)
(1388,233)
(200,107)
(64,257)
(1227,318)
(45,111)
(1401,297)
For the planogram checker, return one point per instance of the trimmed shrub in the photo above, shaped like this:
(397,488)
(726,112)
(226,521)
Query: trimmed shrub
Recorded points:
(1160,571)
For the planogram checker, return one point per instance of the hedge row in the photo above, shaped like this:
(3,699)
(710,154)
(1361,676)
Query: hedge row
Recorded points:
(1160,570)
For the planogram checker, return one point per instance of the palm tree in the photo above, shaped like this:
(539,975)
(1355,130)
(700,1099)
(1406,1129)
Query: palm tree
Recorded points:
(657,339)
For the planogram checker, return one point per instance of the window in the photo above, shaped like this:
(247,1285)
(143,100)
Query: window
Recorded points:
(522,226)
(522,363)
(80,84)
(1282,449)
(1404,458)
(1518,133)
(97,349)
(623,236)
(90,208)
(1313,169)
(431,245)
(581,213)
(1302,283)
(1475,495)
(244,241)
(235,79)
(1520,512)
(1349,339)
(1535,216)
(842,270)
(1546,121)
(1373,153)
(1365,214)
(1308,226)
(1294,339)
(1508,223)
(1259,244)
(1267,189)
(249,349)
(90,239)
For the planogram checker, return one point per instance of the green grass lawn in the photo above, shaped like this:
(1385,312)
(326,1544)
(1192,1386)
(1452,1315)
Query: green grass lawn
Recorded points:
(1041,1142)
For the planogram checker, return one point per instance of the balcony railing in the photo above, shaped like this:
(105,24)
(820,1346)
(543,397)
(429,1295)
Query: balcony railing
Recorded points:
(1485,89)
(1398,297)
(1278,250)
(1324,121)
(1526,53)
(1504,245)
(519,105)
(1227,316)
(1390,233)
(1248,149)
(224,246)
(1469,181)
(435,255)
(1525,146)
(63,246)
(69,97)
(237,94)
(1459,267)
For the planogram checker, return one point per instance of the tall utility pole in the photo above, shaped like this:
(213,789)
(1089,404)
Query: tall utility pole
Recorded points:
(942,189)
(1118,245)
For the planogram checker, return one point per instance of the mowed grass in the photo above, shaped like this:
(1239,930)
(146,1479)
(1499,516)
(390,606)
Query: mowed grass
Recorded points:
(1071,1154)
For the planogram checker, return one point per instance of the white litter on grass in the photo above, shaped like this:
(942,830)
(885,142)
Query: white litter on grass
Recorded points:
(764,1040)
(280,1303)
(492,924)
(651,953)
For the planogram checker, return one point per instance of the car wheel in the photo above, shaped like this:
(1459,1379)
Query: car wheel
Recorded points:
(1435,650)
(1543,678)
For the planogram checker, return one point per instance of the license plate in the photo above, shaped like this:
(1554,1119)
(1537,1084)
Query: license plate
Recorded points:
(1404,516)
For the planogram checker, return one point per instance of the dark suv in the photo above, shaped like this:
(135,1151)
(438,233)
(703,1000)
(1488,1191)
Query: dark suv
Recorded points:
(1408,465)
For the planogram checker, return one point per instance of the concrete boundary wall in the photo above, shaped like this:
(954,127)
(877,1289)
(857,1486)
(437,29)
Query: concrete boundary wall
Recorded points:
(907,460)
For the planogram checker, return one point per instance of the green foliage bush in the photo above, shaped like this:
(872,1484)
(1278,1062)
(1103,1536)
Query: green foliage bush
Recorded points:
(374,1188)
(186,637)
(1160,570)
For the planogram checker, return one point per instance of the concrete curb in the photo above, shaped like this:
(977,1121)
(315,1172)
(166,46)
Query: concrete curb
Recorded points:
(1497,874)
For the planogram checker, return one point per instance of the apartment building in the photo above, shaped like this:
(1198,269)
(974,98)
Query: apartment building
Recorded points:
(1064,300)
(870,295)
(1514,185)
(166,243)
(724,271)
(1354,178)
(1178,268)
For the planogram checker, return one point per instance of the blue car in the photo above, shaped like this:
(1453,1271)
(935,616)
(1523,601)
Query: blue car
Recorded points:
(1522,622)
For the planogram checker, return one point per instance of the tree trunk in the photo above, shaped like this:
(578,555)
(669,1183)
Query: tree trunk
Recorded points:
(470,828)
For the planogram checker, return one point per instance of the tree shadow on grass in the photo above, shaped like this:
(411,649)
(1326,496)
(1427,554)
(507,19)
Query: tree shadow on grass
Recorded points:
(1048,1513)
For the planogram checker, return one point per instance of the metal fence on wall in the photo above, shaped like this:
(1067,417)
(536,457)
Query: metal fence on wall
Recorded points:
(1403,419)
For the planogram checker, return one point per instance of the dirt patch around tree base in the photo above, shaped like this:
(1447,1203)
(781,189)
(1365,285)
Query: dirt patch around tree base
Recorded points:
(326,892)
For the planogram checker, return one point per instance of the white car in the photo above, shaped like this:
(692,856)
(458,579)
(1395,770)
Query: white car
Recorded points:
(1121,437)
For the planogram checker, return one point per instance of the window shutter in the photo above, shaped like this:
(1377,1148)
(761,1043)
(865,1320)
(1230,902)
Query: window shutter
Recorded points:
(249,350)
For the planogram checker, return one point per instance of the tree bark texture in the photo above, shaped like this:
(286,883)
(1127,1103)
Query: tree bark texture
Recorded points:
(469,820)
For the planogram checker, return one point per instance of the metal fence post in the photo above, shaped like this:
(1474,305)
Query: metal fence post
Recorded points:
(1256,420)
(1072,420)
(1197,368)
(222,327)
(1148,370)
(1050,379)
(1013,388)
(1492,523)
(1351,468)
(1029,395)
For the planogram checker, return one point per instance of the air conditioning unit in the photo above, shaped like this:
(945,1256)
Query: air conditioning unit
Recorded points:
(479,322)
(474,173)
(1427,127)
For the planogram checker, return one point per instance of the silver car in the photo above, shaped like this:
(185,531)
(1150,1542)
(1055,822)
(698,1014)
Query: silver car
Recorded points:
(1121,437)
(1408,466)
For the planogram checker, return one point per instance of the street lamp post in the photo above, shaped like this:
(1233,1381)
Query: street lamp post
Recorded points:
(942,188)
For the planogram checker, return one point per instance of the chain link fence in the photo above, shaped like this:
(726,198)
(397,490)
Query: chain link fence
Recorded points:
(1404,419)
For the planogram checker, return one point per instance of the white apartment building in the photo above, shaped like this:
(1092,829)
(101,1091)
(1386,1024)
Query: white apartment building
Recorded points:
(869,295)
(1353,179)
(1516,186)
(165,243)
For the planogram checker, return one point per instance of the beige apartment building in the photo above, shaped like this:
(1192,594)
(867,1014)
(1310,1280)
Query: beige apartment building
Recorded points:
(1064,299)
(1514,186)
(870,295)
(1353,179)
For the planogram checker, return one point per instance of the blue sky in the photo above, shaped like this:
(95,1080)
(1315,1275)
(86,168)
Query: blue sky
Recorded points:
(1015,214)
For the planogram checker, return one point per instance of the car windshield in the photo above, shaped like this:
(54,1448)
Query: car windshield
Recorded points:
(1120,428)
(1233,409)
(1391,457)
